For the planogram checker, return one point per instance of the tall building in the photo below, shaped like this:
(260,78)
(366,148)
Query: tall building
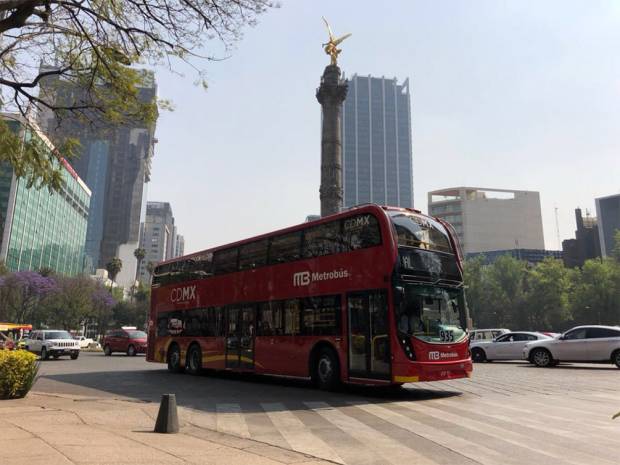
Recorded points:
(586,244)
(490,219)
(608,213)
(179,248)
(158,237)
(376,142)
(115,162)
(39,228)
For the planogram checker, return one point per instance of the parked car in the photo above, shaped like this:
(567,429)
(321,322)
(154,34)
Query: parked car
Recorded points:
(130,341)
(486,334)
(84,341)
(508,346)
(52,342)
(596,344)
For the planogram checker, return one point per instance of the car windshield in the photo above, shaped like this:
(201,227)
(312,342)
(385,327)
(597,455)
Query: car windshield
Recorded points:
(430,313)
(58,335)
(420,232)
(137,334)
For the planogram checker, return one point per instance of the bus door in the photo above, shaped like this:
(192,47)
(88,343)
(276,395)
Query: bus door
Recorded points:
(369,343)
(240,337)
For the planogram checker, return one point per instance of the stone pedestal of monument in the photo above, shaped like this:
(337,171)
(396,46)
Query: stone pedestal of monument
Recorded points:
(330,94)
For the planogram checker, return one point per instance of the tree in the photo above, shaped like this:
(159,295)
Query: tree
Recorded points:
(596,295)
(139,253)
(150,267)
(93,46)
(615,252)
(71,305)
(114,266)
(21,294)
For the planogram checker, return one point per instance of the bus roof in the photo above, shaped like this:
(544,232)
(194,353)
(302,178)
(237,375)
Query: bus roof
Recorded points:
(352,210)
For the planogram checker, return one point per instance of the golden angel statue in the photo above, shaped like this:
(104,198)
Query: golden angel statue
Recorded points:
(331,47)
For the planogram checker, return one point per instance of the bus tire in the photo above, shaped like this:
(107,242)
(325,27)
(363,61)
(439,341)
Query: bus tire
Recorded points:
(107,350)
(326,372)
(174,359)
(193,364)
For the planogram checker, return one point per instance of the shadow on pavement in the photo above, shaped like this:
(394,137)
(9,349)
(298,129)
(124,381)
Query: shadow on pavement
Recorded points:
(568,366)
(203,392)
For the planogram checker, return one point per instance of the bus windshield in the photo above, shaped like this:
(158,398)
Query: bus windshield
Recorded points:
(431,314)
(420,232)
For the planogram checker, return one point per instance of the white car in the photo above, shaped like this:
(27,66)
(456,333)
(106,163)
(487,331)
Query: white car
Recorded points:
(595,344)
(52,342)
(508,346)
(84,342)
(486,334)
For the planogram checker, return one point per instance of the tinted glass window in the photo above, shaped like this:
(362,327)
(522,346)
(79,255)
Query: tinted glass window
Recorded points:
(576,334)
(596,333)
(285,248)
(253,255)
(321,316)
(361,231)
(58,335)
(270,321)
(504,338)
(291,317)
(420,232)
(322,240)
(194,322)
(531,337)
(520,337)
(225,261)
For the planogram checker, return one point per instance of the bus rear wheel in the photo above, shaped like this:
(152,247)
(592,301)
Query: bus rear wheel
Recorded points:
(194,360)
(327,370)
(174,359)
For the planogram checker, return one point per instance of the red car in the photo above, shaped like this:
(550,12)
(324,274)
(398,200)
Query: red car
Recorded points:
(128,340)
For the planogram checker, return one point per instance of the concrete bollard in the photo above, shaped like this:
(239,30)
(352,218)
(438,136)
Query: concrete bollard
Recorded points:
(167,418)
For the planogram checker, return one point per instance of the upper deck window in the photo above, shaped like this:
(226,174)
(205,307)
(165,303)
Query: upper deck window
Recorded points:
(420,232)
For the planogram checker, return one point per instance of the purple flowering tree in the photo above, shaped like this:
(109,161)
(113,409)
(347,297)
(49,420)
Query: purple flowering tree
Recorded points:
(21,294)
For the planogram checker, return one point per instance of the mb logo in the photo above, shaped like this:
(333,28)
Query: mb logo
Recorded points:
(301,279)
(433,355)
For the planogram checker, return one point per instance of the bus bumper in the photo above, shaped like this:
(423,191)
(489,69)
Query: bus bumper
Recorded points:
(433,371)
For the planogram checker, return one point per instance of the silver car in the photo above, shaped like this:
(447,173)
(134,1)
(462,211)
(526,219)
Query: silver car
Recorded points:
(595,344)
(508,346)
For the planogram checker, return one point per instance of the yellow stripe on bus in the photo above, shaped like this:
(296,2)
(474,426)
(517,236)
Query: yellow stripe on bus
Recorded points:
(406,379)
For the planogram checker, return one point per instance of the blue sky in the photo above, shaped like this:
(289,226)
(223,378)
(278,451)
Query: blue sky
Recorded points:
(505,94)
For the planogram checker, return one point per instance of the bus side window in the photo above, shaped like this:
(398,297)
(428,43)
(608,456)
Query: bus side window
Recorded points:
(321,316)
(324,239)
(253,255)
(215,316)
(225,261)
(292,314)
(270,319)
(360,232)
(285,248)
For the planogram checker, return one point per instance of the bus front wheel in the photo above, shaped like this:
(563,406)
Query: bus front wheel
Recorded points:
(174,359)
(327,370)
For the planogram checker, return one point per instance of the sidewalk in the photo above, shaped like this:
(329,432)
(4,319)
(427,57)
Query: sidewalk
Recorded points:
(49,429)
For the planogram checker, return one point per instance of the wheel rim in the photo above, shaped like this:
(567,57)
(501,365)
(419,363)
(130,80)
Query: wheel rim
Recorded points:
(325,369)
(477,355)
(618,359)
(541,357)
(131,350)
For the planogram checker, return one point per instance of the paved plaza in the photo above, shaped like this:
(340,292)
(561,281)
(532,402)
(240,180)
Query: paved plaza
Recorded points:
(508,413)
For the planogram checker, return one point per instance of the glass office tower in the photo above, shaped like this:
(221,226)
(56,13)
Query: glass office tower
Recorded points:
(39,228)
(376,142)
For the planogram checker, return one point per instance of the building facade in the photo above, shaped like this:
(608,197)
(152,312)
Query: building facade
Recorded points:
(608,214)
(158,237)
(586,244)
(490,219)
(115,162)
(38,228)
(179,248)
(376,142)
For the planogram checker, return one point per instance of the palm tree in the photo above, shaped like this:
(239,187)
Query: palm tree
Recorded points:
(139,253)
(150,267)
(114,267)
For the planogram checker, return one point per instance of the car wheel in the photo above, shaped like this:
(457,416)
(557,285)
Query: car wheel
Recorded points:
(327,370)
(75,356)
(194,360)
(44,354)
(174,359)
(131,351)
(478,355)
(542,358)
(615,358)
(107,350)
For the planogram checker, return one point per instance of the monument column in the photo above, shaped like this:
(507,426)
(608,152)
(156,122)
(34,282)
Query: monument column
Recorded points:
(330,94)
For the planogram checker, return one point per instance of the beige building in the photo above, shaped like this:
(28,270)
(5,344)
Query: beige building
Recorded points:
(490,219)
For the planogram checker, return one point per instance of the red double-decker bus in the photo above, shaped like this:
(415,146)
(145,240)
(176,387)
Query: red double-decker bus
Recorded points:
(373,295)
